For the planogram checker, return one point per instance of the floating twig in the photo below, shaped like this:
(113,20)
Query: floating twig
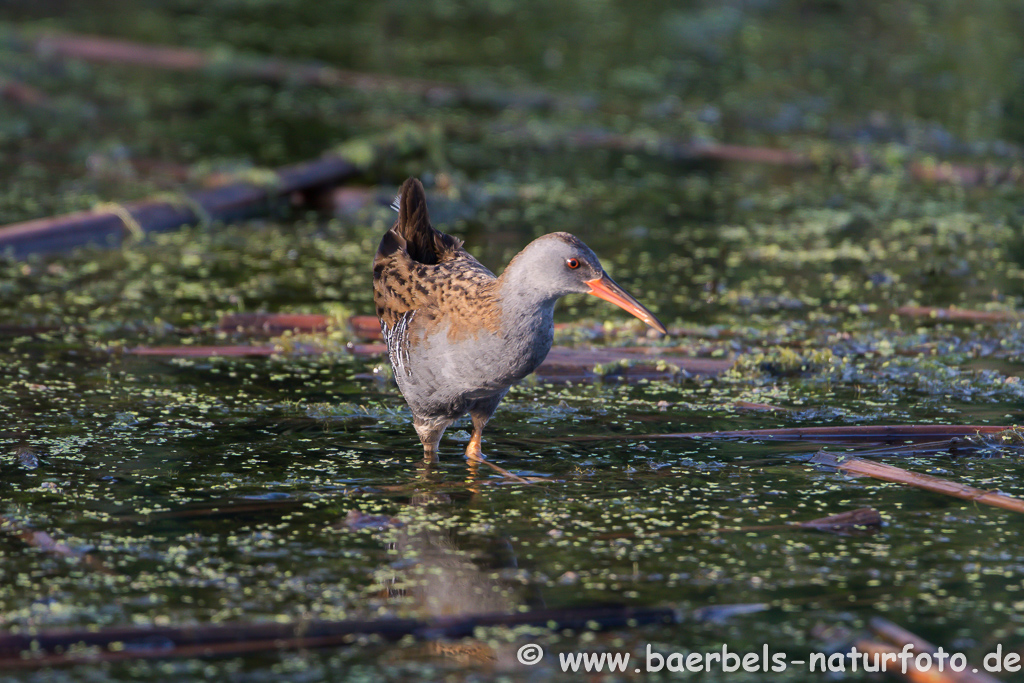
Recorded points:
(109,51)
(572,364)
(273,324)
(897,475)
(900,637)
(202,351)
(366,327)
(839,434)
(953,314)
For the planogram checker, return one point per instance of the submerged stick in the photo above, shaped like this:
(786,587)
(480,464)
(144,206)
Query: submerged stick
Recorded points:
(46,543)
(843,522)
(20,93)
(154,642)
(500,470)
(897,475)
(955,446)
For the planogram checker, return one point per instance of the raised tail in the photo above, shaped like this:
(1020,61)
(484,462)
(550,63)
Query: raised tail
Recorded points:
(422,242)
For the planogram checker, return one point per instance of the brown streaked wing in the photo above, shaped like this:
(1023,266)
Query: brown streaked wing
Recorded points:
(459,290)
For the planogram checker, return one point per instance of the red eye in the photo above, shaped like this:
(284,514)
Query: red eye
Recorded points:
(572,263)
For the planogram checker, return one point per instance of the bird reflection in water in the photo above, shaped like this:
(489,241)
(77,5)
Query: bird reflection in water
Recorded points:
(434,572)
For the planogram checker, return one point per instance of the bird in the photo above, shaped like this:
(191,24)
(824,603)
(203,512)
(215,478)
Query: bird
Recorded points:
(457,336)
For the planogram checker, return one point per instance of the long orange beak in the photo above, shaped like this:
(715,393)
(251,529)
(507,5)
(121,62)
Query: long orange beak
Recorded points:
(605,288)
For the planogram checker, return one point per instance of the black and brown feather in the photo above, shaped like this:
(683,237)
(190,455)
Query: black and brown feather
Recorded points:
(424,279)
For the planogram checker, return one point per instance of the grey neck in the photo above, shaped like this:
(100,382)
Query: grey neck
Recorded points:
(525,304)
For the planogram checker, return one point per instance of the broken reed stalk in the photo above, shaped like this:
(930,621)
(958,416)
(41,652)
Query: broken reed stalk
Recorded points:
(49,648)
(673,149)
(227,203)
(927,482)
(234,201)
(686,152)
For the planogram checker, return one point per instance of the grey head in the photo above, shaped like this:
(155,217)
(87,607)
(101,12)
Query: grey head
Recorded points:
(560,263)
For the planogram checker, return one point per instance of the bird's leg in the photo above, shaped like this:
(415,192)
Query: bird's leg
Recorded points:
(475,451)
(430,436)
(480,412)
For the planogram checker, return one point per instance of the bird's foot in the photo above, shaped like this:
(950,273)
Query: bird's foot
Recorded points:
(475,456)
(474,451)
